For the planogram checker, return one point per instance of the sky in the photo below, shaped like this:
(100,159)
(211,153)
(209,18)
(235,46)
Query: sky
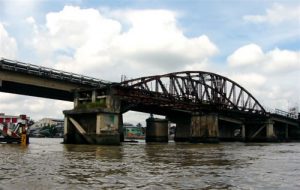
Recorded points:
(253,42)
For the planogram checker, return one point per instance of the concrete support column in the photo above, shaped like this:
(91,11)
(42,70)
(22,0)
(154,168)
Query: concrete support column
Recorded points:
(121,130)
(113,103)
(286,131)
(243,132)
(204,128)
(183,127)
(66,120)
(182,132)
(94,96)
(76,99)
(100,125)
(65,125)
(157,130)
(270,134)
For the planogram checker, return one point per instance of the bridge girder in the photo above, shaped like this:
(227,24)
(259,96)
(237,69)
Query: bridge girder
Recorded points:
(195,89)
(27,79)
(184,91)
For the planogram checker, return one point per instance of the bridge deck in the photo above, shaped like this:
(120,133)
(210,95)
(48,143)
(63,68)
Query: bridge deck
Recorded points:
(32,80)
(20,67)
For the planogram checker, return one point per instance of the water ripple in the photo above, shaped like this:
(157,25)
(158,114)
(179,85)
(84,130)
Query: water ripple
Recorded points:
(48,164)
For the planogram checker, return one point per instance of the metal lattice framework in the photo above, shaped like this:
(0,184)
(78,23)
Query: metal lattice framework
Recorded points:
(196,88)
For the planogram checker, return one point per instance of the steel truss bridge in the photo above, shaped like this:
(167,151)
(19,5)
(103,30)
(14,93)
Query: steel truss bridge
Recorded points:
(188,91)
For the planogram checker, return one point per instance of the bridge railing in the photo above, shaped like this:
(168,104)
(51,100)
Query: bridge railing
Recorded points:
(27,68)
(284,113)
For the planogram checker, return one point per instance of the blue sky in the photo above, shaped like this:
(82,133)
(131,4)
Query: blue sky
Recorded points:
(222,21)
(256,43)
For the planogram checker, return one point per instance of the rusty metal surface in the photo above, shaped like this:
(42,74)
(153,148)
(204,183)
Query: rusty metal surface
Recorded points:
(190,90)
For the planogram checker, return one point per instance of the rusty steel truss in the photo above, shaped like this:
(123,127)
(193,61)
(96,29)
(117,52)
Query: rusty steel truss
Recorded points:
(190,91)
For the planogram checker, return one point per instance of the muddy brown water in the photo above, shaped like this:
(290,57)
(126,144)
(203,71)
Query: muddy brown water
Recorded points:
(48,164)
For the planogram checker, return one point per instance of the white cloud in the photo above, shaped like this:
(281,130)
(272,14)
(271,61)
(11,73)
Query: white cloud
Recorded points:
(74,27)
(246,55)
(154,40)
(85,41)
(145,42)
(274,61)
(36,108)
(204,65)
(282,61)
(31,21)
(142,42)
(270,76)
(8,45)
(251,80)
(272,91)
(135,117)
(19,8)
(8,49)
(277,14)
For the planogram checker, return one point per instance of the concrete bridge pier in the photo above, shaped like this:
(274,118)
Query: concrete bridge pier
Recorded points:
(120,128)
(183,128)
(243,132)
(92,127)
(270,132)
(264,132)
(294,133)
(286,132)
(94,120)
(231,130)
(282,131)
(182,132)
(204,128)
(157,130)
(286,129)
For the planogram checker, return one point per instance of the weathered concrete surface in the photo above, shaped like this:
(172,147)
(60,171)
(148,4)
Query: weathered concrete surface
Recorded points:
(182,132)
(94,128)
(31,85)
(183,127)
(270,134)
(231,131)
(86,124)
(157,130)
(204,128)
(37,81)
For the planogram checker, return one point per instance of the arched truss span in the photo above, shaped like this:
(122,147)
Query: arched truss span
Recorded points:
(198,88)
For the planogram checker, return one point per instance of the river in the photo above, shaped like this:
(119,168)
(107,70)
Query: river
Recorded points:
(48,164)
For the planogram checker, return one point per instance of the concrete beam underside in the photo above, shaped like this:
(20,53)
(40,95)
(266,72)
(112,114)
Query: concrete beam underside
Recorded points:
(36,81)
